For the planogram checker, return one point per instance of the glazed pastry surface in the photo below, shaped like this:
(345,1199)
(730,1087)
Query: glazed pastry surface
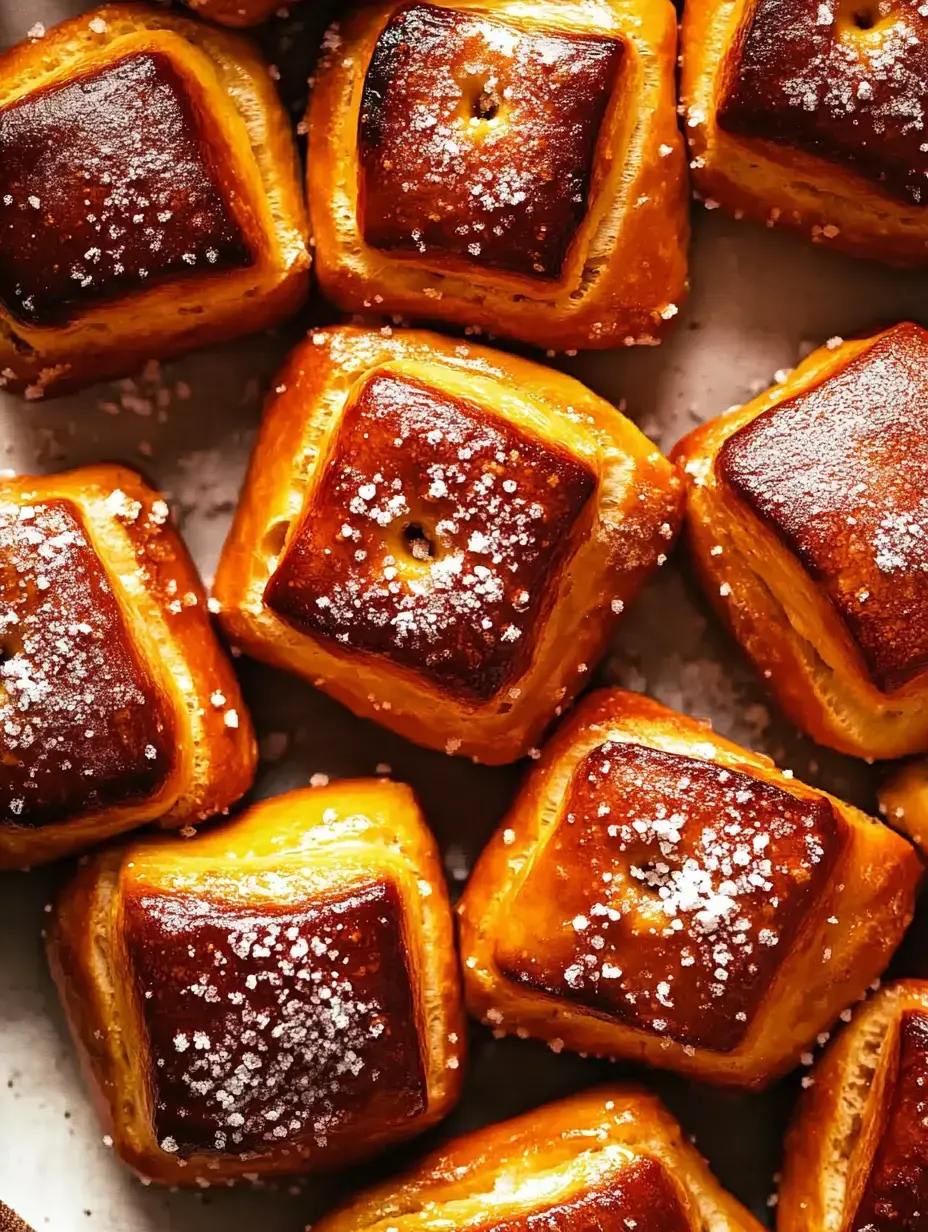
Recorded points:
(806,523)
(117,705)
(275,996)
(856,1157)
(434,537)
(809,115)
(149,197)
(85,727)
(658,894)
(112,172)
(516,171)
(508,122)
(441,535)
(611,1158)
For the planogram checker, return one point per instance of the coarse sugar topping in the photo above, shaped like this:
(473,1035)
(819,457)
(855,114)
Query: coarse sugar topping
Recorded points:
(288,1028)
(670,892)
(434,536)
(82,725)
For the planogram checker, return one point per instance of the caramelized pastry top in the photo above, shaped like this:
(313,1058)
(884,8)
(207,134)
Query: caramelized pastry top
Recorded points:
(669,893)
(276,1028)
(83,726)
(641,1197)
(433,537)
(478,138)
(896,1196)
(845,81)
(840,474)
(108,184)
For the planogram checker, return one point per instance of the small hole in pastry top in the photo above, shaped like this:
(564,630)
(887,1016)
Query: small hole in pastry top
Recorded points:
(487,102)
(276,537)
(862,14)
(418,544)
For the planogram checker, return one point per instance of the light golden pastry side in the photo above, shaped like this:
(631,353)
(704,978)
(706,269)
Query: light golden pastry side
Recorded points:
(659,894)
(237,12)
(612,1157)
(807,522)
(441,536)
(806,115)
(856,1155)
(278,995)
(150,197)
(513,170)
(117,705)
(904,802)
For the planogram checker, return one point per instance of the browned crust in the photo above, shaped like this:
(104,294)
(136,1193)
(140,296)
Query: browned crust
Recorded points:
(635,275)
(235,85)
(164,605)
(777,613)
(377,831)
(566,1135)
(871,896)
(627,529)
(777,185)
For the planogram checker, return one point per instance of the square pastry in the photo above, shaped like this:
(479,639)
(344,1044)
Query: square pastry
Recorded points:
(662,895)
(542,194)
(441,536)
(149,197)
(10,1221)
(276,996)
(117,705)
(611,1158)
(810,115)
(808,523)
(857,1153)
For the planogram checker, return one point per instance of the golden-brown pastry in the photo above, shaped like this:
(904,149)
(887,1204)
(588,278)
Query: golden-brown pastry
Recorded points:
(10,1221)
(149,197)
(904,802)
(808,114)
(278,995)
(117,704)
(612,1158)
(237,12)
(441,536)
(510,168)
(857,1153)
(659,894)
(807,518)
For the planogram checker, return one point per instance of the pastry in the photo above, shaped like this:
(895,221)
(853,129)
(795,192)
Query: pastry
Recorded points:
(149,197)
(808,114)
(857,1153)
(117,705)
(277,995)
(515,171)
(612,1158)
(10,1221)
(807,521)
(441,536)
(659,894)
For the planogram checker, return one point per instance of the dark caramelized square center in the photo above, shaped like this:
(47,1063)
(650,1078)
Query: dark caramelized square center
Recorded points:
(285,1028)
(433,538)
(840,474)
(669,893)
(83,727)
(109,183)
(896,1195)
(846,80)
(641,1196)
(478,138)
